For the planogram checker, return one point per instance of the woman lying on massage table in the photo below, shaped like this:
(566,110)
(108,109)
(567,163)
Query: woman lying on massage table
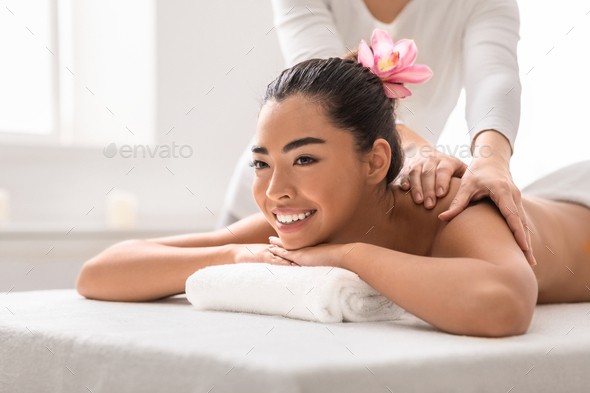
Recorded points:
(327,149)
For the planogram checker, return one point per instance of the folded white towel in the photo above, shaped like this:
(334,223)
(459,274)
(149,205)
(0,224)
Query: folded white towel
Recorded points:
(320,294)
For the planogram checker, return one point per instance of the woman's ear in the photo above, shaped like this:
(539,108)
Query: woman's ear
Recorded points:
(378,161)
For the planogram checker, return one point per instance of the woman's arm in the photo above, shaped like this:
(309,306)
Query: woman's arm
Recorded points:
(139,270)
(491,79)
(500,147)
(252,229)
(142,270)
(477,281)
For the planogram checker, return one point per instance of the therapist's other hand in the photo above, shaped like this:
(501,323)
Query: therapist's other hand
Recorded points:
(428,173)
(492,178)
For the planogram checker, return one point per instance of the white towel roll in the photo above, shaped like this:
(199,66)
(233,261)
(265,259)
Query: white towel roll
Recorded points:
(320,294)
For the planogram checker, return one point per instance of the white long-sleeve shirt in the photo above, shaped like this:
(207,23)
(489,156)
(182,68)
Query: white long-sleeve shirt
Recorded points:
(466,43)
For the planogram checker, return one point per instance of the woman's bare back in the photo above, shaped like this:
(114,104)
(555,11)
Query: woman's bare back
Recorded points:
(560,233)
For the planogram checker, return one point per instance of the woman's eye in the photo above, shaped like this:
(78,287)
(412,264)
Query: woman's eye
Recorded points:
(306,158)
(253,164)
(306,161)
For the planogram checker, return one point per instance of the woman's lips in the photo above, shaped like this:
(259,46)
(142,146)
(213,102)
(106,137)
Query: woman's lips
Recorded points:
(289,228)
(286,212)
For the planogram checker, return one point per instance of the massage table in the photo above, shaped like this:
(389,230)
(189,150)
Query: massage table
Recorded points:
(59,341)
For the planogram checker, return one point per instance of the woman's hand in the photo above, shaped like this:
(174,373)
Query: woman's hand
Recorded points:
(320,255)
(428,173)
(489,175)
(256,253)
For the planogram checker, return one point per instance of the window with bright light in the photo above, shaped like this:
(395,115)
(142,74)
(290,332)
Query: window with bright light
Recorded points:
(27,83)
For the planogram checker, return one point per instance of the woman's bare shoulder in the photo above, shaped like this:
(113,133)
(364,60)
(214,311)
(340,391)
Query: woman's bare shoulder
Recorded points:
(445,202)
(479,231)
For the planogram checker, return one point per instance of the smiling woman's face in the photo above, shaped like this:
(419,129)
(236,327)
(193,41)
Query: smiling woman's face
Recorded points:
(297,177)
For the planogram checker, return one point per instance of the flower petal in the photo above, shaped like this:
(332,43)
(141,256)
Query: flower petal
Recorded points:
(417,73)
(393,90)
(365,56)
(384,67)
(407,52)
(382,43)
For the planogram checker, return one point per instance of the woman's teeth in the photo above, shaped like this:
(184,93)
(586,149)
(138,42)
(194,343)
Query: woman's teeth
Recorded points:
(291,218)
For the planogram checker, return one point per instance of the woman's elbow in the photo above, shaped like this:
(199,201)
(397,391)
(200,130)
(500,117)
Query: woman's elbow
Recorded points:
(511,312)
(84,282)
(90,282)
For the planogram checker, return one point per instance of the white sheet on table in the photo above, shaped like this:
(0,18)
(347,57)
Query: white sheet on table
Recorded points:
(168,345)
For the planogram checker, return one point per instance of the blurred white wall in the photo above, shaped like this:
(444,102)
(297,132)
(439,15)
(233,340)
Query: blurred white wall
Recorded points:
(142,73)
(150,73)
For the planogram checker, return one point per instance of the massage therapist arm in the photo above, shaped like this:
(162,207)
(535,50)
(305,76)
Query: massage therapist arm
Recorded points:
(306,29)
(493,91)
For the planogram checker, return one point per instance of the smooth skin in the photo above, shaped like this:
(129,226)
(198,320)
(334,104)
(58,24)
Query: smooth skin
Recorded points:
(428,176)
(467,276)
(386,10)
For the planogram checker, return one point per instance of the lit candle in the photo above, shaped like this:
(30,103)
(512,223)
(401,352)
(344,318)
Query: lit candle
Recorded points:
(4,206)
(121,210)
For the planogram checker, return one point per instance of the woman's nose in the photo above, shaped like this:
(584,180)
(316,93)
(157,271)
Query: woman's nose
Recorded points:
(279,186)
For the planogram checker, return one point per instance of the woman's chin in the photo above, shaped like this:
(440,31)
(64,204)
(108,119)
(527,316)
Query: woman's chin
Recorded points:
(296,244)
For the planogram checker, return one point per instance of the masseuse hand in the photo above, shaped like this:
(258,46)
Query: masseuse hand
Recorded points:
(489,175)
(424,172)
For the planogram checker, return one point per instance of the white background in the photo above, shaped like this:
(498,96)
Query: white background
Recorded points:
(554,128)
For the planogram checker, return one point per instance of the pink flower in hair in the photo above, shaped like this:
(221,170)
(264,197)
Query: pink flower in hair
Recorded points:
(393,63)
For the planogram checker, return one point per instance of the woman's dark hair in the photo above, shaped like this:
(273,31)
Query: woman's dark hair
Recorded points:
(352,97)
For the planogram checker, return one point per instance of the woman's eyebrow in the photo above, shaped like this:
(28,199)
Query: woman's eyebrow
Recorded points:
(290,146)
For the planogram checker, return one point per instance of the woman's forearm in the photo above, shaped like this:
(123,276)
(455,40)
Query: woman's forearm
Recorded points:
(458,295)
(140,270)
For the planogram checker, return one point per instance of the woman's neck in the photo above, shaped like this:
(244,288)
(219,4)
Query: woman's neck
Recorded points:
(392,220)
(376,220)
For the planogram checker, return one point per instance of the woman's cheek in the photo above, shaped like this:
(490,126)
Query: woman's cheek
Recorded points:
(258,191)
